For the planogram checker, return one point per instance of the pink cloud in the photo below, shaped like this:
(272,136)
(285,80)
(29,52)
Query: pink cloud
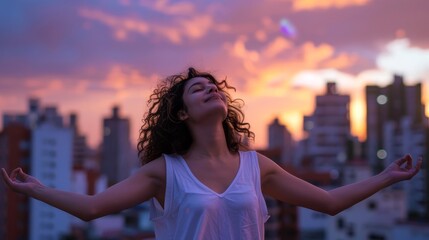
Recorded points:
(126,78)
(166,7)
(277,46)
(121,26)
(271,70)
(299,5)
(192,26)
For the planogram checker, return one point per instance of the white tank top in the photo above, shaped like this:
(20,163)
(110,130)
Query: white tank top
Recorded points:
(194,211)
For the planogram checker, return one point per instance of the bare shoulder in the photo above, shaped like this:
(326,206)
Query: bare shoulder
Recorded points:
(266,165)
(155,170)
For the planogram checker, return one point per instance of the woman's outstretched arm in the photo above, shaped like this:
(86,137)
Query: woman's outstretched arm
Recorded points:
(283,186)
(139,187)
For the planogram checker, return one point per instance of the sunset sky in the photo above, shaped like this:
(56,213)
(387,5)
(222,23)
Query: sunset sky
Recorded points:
(86,56)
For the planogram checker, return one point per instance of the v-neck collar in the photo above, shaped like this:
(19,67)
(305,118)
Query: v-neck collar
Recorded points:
(188,169)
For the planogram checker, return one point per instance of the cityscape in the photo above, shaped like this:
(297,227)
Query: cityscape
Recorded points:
(333,90)
(52,148)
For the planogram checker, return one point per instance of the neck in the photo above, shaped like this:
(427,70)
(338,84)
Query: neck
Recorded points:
(209,141)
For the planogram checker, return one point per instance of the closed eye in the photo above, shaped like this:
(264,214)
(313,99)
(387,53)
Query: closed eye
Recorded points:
(197,90)
(199,86)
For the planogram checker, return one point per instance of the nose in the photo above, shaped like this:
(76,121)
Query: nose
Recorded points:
(211,88)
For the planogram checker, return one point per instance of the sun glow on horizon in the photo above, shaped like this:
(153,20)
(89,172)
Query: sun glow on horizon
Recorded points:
(293,122)
(357,118)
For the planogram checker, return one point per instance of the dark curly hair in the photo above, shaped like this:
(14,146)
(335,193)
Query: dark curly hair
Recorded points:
(163,132)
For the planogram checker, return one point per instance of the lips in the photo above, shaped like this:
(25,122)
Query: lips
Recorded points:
(213,97)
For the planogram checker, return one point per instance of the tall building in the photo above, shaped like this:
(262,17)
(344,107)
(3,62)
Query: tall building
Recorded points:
(34,112)
(280,138)
(116,161)
(39,142)
(51,163)
(328,142)
(14,152)
(390,104)
(81,151)
(396,125)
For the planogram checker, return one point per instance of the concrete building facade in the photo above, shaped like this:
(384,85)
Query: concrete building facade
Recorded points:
(51,163)
(116,161)
(328,141)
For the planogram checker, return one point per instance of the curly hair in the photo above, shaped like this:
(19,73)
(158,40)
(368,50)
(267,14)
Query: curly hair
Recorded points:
(162,130)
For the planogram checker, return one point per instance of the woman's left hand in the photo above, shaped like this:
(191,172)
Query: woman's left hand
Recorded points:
(402,169)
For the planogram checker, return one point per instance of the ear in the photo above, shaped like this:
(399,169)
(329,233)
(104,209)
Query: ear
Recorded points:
(182,115)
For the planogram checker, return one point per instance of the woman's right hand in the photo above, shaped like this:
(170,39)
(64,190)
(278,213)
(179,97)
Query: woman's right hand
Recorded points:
(20,182)
(141,186)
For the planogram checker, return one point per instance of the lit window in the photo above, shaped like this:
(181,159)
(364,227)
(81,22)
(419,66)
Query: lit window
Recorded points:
(381,154)
(382,99)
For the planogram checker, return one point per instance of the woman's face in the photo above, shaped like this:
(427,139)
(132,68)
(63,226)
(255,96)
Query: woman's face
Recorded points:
(203,101)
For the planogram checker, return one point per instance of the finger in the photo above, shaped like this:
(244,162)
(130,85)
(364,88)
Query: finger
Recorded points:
(14,173)
(419,164)
(409,162)
(22,175)
(6,177)
(402,160)
(417,167)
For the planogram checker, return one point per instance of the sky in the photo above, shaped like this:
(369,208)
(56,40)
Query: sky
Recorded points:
(87,56)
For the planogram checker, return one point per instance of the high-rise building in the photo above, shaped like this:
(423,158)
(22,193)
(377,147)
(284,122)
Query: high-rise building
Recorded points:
(280,138)
(51,163)
(14,152)
(39,142)
(328,142)
(397,125)
(390,104)
(116,161)
(81,151)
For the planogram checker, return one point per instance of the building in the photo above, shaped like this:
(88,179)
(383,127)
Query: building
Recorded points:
(14,152)
(410,230)
(58,155)
(51,163)
(81,151)
(312,224)
(287,221)
(373,218)
(409,139)
(283,216)
(279,137)
(397,125)
(329,142)
(116,160)
(390,104)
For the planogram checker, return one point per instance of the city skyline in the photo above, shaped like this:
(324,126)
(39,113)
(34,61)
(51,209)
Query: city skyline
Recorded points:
(88,57)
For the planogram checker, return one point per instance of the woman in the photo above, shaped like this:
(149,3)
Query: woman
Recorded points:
(201,181)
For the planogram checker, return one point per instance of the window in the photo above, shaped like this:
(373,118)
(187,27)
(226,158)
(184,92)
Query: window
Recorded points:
(376,236)
(50,141)
(340,223)
(382,99)
(372,205)
(350,230)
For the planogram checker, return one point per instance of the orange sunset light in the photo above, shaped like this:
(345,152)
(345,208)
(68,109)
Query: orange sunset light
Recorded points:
(98,55)
(357,118)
